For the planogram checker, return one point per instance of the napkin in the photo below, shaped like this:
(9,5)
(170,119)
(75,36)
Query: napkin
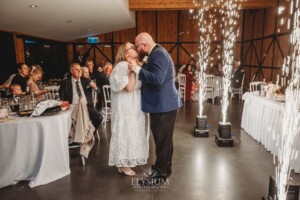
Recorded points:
(42,106)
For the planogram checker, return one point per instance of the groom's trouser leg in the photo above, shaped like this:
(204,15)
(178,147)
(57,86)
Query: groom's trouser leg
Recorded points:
(162,127)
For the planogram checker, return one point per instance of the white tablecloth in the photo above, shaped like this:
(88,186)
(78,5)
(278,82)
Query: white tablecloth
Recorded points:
(35,149)
(262,119)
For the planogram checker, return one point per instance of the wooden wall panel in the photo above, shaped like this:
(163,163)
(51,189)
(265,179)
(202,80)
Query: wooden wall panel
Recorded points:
(248,22)
(284,44)
(257,52)
(258,23)
(267,75)
(19,48)
(146,22)
(167,26)
(173,53)
(192,49)
(281,50)
(70,53)
(188,28)
(125,35)
(268,44)
(262,31)
(182,37)
(270,19)
(188,4)
(240,24)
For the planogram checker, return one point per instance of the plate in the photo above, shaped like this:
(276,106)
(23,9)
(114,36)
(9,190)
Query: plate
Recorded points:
(25,113)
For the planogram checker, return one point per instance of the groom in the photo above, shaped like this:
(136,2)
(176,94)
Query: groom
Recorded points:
(160,99)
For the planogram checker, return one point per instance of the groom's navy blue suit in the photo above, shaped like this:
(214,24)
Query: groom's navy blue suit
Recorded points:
(160,98)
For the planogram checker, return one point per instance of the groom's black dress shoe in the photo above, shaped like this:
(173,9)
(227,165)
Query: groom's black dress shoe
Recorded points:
(169,171)
(154,177)
(154,170)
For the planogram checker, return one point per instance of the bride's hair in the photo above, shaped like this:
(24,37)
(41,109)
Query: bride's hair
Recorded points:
(121,53)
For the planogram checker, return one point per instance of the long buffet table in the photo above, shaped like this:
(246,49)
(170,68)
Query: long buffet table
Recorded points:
(34,149)
(262,119)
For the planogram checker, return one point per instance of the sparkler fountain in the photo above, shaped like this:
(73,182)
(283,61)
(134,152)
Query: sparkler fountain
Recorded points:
(291,117)
(229,10)
(205,26)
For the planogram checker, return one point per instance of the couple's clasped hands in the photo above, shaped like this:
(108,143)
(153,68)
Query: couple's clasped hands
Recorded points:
(132,65)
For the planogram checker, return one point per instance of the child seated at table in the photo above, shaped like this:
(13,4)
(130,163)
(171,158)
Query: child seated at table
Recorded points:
(16,90)
(35,76)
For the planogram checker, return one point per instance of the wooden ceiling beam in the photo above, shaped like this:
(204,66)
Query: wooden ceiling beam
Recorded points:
(188,4)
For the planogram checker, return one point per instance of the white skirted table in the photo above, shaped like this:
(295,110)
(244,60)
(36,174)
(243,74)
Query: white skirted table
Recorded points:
(262,119)
(35,149)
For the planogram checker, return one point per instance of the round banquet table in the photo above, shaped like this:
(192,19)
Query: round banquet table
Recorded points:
(34,149)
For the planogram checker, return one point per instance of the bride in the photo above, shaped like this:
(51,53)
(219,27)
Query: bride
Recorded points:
(129,145)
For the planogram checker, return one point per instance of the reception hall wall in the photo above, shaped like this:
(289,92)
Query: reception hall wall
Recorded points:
(261,45)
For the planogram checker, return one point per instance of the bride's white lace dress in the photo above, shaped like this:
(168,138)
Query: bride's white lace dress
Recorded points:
(129,145)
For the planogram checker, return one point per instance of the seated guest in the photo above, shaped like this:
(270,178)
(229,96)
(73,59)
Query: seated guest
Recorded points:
(103,79)
(35,76)
(218,70)
(16,90)
(107,68)
(237,74)
(100,69)
(22,77)
(89,63)
(75,87)
(85,72)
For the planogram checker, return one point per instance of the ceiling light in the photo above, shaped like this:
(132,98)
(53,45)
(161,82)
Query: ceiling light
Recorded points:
(33,6)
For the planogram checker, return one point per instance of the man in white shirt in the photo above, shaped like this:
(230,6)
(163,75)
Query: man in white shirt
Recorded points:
(76,86)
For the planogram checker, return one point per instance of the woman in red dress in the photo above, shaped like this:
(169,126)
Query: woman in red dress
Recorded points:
(189,82)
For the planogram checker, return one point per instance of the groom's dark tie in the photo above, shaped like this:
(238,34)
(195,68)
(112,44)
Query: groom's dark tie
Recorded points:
(78,89)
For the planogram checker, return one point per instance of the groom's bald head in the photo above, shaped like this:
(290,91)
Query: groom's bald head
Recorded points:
(144,42)
(145,38)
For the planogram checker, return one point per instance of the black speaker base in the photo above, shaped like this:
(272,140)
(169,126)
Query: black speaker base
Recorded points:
(223,142)
(201,133)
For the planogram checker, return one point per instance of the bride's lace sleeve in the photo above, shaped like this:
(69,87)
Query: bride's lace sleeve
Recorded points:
(119,77)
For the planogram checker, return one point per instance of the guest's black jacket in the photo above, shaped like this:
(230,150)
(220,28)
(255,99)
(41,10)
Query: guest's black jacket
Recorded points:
(237,77)
(102,80)
(66,90)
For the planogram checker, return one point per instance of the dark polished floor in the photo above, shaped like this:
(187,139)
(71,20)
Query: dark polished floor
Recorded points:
(201,170)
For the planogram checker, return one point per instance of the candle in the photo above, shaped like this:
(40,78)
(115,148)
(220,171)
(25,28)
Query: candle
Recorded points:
(277,79)
(281,82)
